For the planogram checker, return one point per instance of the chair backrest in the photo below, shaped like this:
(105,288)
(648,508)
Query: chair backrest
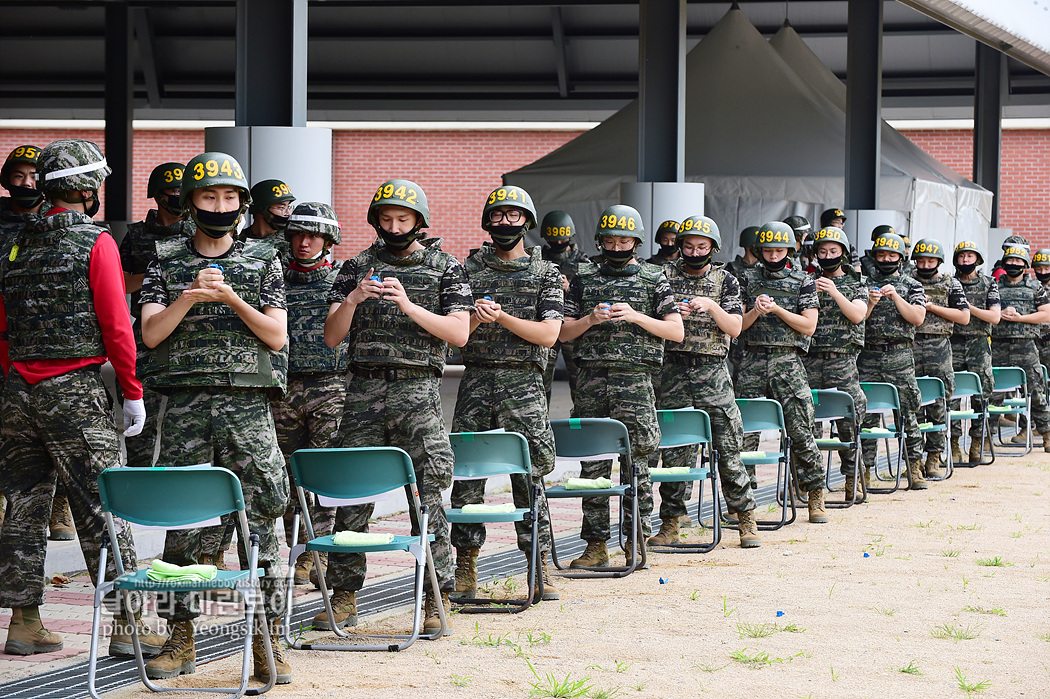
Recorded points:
(759,414)
(169,497)
(358,472)
(967,383)
(882,397)
(683,426)
(580,437)
(832,404)
(485,454)
(1009,378)
(931,389)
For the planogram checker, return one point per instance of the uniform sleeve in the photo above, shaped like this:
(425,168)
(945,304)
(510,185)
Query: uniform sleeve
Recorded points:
(107,291)
(993,294)
(272,292)
(345,282)
(807,295)
(663,298)
(730,298)
(574,298)
(454,292)
(916,293)
(957,297)
(153,290)
(551,305)
(1042,296)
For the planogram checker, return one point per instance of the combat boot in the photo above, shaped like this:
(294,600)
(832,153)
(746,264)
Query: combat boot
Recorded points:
(974,456)
(467,572)
(1021,437)
(915,477)
(594,556)
(933,465)
(27,636)
(344,608)
(549,591)
(178,656)
(262,670)
(956,451)
(748,530)
(61,528)
(627,548)
(314,579)
(852,486)
(1046,441)
(219,561)
(431,619)
(668,533)
(303,565)
(686,522)
(817,513)
(120,643)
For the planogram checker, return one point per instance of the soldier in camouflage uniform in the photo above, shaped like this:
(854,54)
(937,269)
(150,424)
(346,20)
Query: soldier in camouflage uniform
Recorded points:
(402,301)
(62,315)
(667,250)
(781,316)
(213,314)
(867,263)
(695,374)
(558,231)
(803,257)
(836,218)
(1026,305)
(839,337)
(518,300)
(1041,267)
(270,208)
(946,308)
(137,248)
(971,343)
(739,268)
(896,306)
(307,415)
(619,312)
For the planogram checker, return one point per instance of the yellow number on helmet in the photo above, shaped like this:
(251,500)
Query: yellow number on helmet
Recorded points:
(198,171)
(226,169)
(400,192)
(411,198)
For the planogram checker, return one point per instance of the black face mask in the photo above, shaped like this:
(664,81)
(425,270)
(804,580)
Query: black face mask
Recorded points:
(697,261)
(170,203)
(558,245)
(829,264)
(774,266)
(26,197)
(1043,277)
(617,258)
(400,241)
(91,206)
(926,273)
(888,268)
(278,223)
(667,250)
(506,237)
(215,225)
(965,270)
(1014,270)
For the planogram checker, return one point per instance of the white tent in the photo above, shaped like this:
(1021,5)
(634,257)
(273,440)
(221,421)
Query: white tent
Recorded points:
(765,141)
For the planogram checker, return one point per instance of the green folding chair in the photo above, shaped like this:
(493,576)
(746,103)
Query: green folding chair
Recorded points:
(343,477)
(177,498)
(680,428)
(831,405)
(597,438)
(482,455)
(759,414)
(883,400)
(1010,380)
(968,385)
(931,391)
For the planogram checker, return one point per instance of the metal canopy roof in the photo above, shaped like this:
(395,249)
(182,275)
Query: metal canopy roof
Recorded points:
(452,60)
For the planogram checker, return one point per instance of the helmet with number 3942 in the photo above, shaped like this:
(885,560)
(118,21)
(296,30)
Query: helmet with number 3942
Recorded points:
(403,193)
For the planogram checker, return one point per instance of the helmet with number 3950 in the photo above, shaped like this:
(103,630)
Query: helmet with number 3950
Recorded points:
(214,169)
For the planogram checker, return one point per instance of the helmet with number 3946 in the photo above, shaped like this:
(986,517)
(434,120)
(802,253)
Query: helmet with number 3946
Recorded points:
(620,220)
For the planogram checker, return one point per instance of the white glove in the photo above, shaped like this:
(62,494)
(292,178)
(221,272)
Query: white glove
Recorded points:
(134,417)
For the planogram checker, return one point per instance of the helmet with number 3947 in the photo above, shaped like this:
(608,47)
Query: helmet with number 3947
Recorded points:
(928,247)
(620,220)
(214,169)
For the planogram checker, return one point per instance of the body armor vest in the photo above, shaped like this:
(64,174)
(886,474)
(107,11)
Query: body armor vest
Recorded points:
(976,291)
(381,334)
(619,343)
(212,346)
(142,240)
(867,265)
(305,293)
(769,330)
(11,225)
(1022,297)
(937,292)
(567,261)
(702,334)
(516,286)
(886,324)
(50,307)
(835,332)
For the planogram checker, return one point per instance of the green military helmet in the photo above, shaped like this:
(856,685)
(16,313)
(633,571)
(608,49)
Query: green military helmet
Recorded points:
(214,169)
(702,226)
(267,193)
(621,220)
(927,247)
(509,195)
(1018,251)
(829,215)
(748,236)
(666,226)
(799,224)
(1041,257)
(557,226)
(831,234)
(889,242)
(71,164)
(881,230)
(775,234)
(400,193)
(23,154)
(1016,240)
(164,176)
(968,245)
(316,218)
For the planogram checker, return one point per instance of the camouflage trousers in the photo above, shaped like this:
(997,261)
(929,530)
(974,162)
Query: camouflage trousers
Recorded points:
(973,353)
(307,417)
(512,398)
(141,448)
(402,413)
(839,370)
(231,428)
(893,364)
(708,387)
(570,367)
(1023,354)
(780,375)
(626,396)
(58,429)
(933,357)
(1043,344)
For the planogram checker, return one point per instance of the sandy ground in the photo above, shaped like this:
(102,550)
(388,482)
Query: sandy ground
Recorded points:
(854,608)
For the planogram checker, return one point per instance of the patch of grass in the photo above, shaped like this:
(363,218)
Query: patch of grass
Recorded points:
(726,609)
(888,611)
(489,641)
(705,667)
(550,686)
(997,611)
(970,688)
(877,546)
(958,633)
(924,525)
(831,590)
(756,630)
(1043,636)
(695,595)
(622,667)
(461,680)
(536,638)
(834,675)
(430,654)
(950,553)
(599,693)
(968,527)
(1016,535)
(791,628)
(997,562)
(912,668)
(761,658)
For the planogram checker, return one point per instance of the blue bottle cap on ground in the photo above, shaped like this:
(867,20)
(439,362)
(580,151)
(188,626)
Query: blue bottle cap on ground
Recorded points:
(779,613)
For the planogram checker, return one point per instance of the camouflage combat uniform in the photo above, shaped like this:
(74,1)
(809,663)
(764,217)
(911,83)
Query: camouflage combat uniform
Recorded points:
(739,269)
(971,347)
(216,376)
(502,386)
(616,361)
(695,374)
(393,391)
(567,261)
(1013,344)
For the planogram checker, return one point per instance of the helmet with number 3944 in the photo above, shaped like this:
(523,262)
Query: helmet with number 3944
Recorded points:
(620,220)
(702,226)
(403,193)
(214,169)
(509,195)
(775,234)
(889,242)
(928,247)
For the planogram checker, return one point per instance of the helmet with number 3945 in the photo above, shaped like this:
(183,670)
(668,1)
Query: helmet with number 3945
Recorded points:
(775,234)
(403,193)
(509,195)
(214,169)
(620,220)
(702,226)
(928,247)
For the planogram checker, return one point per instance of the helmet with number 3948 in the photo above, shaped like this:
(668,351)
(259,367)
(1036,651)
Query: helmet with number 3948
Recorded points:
(888,242)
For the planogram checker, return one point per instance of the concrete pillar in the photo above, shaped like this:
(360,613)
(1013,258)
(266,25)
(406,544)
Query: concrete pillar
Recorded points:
(661,91)
(863,103)
(118,114)
(987,122)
